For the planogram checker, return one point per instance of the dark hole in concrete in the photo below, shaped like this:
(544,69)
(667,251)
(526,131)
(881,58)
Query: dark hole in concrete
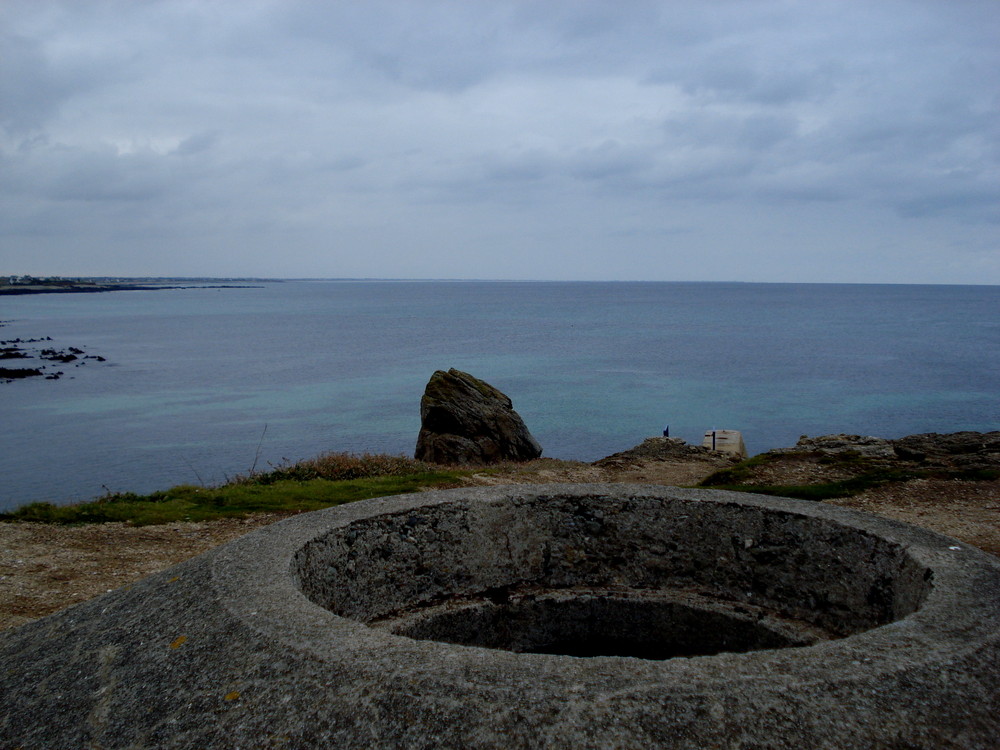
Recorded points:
(653,578)
(573,623)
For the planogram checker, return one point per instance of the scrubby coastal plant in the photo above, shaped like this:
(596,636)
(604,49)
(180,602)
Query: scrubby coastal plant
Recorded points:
(322,482)
(867,474)
(337,467)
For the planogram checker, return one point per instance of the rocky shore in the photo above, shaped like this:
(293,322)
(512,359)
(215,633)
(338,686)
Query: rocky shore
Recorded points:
(75,288)
(42,356)
(29,285)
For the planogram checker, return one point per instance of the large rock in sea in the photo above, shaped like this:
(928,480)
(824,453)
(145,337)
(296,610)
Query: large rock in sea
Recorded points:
(464,420)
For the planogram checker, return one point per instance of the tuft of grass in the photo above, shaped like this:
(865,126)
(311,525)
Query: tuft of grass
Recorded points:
(336,467)
(977,475)
(815,492)
(287,489)
(738,474)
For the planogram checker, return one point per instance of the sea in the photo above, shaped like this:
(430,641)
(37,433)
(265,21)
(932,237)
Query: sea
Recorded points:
(202,384)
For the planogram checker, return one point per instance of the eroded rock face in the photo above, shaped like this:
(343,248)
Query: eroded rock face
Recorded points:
(666,449)
(971,450)
(956,450)
(464,420)
(864,445)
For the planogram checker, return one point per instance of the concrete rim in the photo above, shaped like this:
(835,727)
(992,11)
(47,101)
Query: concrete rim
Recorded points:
(254,581)
(226,651)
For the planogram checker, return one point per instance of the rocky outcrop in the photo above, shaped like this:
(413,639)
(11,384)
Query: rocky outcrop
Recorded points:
(849,465)
(464,420)
(968,450)
(29,349)
(955,450)
(664,449)
(16,373)
(862,445)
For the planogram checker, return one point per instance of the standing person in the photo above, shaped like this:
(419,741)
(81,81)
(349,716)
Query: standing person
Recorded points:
(666,431)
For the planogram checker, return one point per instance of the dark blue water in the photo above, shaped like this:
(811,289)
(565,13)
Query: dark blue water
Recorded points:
(196,377)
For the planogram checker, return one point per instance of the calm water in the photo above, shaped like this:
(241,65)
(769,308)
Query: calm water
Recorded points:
(197,378)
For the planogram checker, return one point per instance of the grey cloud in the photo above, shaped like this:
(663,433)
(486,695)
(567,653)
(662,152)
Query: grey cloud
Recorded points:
(30,90)
(444,46)
(104,176)
(978,203)
(701,128)
(521,166)
(533,168)
(763,76)
(579,117)
(608,159)
(196,144)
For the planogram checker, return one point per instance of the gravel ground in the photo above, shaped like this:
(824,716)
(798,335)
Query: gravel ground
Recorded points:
(968,511)
(44,567)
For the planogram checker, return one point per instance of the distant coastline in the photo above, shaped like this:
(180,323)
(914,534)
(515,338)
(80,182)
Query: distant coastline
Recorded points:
(11,285)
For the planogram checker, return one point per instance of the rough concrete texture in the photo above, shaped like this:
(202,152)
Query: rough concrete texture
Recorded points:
(725,441)
(766,623)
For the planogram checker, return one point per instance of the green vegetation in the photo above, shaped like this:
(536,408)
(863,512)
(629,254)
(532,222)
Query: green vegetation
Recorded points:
(336,467)
(331,479)
(868,473)
(735,475)
(337,478)
(822,491)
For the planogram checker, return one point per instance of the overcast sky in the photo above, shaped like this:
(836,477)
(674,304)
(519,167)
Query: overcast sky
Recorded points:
(546,139)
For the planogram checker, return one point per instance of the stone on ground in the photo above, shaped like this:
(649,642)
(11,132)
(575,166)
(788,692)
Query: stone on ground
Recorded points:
(467,421)
(666,449)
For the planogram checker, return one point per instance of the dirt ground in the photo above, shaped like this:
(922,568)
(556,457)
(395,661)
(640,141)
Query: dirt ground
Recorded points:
(44,568)
(968,511)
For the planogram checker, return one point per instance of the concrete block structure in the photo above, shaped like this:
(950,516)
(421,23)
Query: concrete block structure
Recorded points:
(725,441)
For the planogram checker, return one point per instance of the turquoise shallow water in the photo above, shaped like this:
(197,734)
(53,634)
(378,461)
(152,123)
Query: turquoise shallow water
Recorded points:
(195,377)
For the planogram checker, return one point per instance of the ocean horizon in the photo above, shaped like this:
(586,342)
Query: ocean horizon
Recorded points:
(200,384)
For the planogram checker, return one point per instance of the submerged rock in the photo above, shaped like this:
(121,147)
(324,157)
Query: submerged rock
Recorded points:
(464,420)
(11,373)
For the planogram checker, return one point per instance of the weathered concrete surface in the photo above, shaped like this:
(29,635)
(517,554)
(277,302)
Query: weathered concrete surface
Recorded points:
(285,638)
(725,441)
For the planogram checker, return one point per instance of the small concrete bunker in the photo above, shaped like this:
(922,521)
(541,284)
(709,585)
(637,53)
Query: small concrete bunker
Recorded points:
(543,616)
(646,577)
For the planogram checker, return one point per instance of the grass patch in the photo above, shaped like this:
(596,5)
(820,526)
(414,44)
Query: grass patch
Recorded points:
(284,490)
(337,467)
(976,475)
(816,492)
(870,476)
(738,474)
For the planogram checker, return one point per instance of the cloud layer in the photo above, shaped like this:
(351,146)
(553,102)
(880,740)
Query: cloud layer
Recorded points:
(566,139)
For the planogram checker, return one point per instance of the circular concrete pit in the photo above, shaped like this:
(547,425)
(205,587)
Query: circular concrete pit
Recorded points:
(626,576)
(547,616)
